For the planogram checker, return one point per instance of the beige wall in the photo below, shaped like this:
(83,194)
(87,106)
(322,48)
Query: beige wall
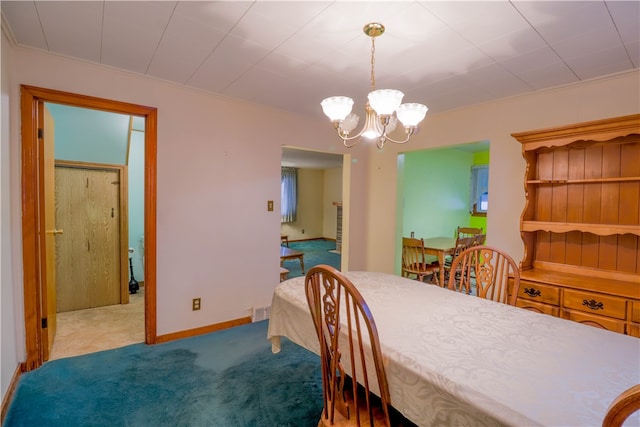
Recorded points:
(308,223)
(332,193)
(317,190)
(11,313)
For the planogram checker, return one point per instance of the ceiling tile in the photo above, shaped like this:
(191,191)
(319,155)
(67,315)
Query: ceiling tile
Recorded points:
(184,46)
(475,20)
(25,24)
(600,63)
(627,19)
(232,58)
(548,75)
(558,20)
(132,32)
(530,60)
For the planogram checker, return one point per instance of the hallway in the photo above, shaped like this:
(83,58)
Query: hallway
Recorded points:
(102,328)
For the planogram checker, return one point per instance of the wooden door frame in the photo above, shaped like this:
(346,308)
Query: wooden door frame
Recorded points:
(33,205)
(123,202)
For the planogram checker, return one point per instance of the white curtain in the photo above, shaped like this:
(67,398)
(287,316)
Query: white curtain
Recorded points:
(479,185)
(288,194)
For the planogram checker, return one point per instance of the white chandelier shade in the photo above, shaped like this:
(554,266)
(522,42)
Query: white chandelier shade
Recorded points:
(383,109)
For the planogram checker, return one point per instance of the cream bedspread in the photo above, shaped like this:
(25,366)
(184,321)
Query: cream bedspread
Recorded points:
(454,359)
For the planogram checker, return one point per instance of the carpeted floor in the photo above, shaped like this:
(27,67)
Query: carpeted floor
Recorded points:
(226,378)
(315,252)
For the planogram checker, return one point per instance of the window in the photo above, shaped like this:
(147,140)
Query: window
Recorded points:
(479,195)
(288,194)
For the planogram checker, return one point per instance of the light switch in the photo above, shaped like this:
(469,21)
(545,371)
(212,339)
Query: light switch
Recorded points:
(270,205)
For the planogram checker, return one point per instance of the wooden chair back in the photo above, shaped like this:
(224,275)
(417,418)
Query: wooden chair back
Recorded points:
(622,407)
(480,239)
(468,232)
(413,259)
(488,270)
(351,359)
(462,243)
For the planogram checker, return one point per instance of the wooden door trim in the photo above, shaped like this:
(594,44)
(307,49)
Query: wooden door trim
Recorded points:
(123,200)
(32,232)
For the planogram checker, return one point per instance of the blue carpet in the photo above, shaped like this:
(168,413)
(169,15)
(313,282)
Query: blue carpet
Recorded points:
(315,252)
(226,378)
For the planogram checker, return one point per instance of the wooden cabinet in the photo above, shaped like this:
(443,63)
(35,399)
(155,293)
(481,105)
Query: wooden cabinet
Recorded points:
(581,223)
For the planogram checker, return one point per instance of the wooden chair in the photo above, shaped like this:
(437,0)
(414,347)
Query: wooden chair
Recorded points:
(480,240)
(622,407)
(348,337)
(488,270)
(462,243)
(467,232)
(414,261)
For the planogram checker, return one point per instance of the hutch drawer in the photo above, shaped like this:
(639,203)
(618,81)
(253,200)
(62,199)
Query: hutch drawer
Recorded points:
(539,307)
(592,303)
(635,311)
(633,329)
(595,320)
(539,292)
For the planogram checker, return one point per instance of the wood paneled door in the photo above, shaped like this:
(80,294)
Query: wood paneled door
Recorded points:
(91,267)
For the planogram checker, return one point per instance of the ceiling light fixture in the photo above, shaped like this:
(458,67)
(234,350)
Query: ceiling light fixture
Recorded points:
(380,119)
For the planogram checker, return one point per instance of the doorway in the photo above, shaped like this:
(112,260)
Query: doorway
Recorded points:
(435,192)
(35,247)
(333,220)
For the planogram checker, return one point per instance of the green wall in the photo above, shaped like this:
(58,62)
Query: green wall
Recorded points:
(89,135)
(433,193)
(436,192)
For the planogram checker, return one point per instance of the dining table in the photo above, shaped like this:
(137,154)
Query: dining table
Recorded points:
(456,359)
(440,247)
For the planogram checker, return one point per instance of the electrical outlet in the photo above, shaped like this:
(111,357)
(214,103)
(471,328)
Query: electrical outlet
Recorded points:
(303,231)
(196,304)
(270,205)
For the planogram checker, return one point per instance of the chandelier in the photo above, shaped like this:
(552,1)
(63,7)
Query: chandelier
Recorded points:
(382,111)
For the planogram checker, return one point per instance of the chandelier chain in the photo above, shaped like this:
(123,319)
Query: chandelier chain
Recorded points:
(373,63)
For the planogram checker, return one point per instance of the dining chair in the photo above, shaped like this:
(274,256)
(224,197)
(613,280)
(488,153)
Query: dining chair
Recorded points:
(348,338)
(480,240)
(625,404)
(468,232)
(462,243)
(486,270)
(414,261)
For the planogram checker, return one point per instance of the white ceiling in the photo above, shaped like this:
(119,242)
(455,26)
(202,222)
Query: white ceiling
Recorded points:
(292,54)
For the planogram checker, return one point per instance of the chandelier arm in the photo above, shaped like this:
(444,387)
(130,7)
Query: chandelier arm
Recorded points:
(408,131)
(346,138)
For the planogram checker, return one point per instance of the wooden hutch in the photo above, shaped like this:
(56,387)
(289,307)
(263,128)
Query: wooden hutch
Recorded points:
(581,223)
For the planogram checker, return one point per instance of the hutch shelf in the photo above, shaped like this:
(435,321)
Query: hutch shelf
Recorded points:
(581,223)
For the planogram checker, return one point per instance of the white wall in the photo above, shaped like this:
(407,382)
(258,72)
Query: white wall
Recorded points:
(215,175)
(495,121)
(11,327)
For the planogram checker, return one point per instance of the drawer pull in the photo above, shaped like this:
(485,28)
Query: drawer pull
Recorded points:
(532,292)
(593,304)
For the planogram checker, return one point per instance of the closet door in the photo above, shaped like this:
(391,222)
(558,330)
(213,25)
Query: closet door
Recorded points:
(88,256)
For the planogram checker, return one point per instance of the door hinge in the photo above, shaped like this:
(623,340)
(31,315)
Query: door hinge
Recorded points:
(40,133)
(44,323)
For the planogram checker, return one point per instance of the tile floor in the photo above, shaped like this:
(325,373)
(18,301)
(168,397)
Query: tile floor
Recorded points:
(102,328)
